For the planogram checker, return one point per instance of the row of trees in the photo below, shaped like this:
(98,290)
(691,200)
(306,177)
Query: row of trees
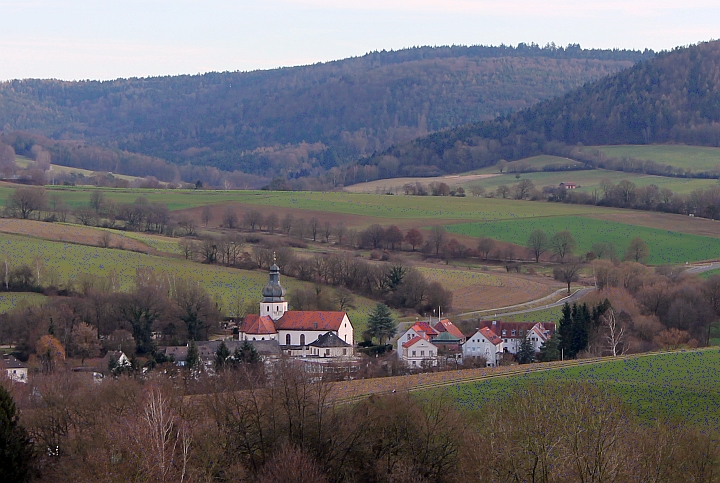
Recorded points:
(240,430)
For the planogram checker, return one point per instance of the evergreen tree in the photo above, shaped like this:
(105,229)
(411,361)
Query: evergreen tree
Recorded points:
(526,352)
(580,329)
(550,350)
(16,450)
(193,356)
(381,324)
(246,354)
(565,329)
(222,355)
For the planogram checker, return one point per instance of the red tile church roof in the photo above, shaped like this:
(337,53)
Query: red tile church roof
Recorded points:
(310,320)
(256,324)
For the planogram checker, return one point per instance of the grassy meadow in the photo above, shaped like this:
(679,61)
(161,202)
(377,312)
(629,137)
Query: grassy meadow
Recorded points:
(696,158)
(680,385)
(10,300)
(665,246)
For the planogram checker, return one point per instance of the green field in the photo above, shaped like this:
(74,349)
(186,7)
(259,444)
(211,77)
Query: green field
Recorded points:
(226,285)
(10,300)
(681,385)
(552,314)
(589,180)
(696,158)
(665,246)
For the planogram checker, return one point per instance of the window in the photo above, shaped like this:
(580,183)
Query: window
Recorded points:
(504,333)
(422,353)
(344,352)
(287,339)
(430,353)
(513,332)
(474,349)
(302,339)
(409,336)
(413,353)
(327,352)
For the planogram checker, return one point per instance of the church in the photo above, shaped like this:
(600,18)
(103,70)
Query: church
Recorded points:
(297,330)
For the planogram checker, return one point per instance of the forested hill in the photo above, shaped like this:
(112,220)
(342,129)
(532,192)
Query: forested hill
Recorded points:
(302,121)
(671,98)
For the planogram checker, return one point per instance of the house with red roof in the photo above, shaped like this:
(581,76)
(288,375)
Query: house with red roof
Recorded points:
(295,330)
(484,343)
(419,352)
(513,333)
(422,330)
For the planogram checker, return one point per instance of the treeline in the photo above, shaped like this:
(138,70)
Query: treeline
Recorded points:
(672,98)
(259,122)
(243,430)
(658,308)
(94,315)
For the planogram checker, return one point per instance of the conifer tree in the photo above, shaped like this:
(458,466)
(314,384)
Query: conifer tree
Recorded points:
(222,355)
(565,329)
(246,354)
(193,356)
(381,324)
(526,352)
(550,350)
(16,450)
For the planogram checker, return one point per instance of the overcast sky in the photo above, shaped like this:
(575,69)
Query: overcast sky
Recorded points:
(84,39)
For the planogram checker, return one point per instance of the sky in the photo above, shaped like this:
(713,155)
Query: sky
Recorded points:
(108,39)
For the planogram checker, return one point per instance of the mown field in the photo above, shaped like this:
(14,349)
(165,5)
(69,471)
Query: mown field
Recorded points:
(696,158)
(680,385)
(665,246)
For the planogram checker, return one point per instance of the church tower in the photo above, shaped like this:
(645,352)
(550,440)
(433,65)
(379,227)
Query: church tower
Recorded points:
(273,302)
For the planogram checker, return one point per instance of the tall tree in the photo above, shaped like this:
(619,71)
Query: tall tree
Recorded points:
(637,250)
(381,323)
(222,355)
(526,352)
(537,243)
(192,360)
(437,237)
(550,350)
(16,448)
(562,244)
(414,238)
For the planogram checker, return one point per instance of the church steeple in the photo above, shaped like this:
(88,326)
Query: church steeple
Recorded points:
(273,296)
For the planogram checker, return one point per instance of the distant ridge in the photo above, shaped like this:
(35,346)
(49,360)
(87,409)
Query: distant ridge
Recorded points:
(299,122)
(671,98)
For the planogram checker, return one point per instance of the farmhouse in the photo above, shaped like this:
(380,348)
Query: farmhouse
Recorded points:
(513,333)
(13,368)
(296,330)
(568,186)
(419,352)
(443,337)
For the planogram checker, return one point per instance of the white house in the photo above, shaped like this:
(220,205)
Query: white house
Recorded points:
(513,333)
(13,368)
(292,329)
(419,352)
(484,343)
(419,329)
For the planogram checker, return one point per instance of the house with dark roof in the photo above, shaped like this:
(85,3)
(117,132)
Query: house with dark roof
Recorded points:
(330,345)
(513,333)
(13,368)
(294,330)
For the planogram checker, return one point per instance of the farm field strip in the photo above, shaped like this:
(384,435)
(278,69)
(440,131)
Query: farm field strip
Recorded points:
(696,158)
(665,246)
(64,232)
(361,388)
(682,384)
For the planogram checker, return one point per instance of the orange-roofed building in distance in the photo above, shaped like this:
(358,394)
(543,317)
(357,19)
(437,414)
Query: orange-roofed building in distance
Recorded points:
(294,330)
(484,343)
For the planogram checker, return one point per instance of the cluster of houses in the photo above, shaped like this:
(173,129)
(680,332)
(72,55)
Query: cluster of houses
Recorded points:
(425,344)
(327,337)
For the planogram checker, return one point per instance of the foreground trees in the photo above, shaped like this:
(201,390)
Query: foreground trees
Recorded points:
(248,427)
(16,449)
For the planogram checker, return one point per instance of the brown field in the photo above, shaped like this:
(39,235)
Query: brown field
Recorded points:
(396,184)
(68,233)
(665,221)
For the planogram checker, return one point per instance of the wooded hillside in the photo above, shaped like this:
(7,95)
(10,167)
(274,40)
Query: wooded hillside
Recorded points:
(301,121)
(672,98)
